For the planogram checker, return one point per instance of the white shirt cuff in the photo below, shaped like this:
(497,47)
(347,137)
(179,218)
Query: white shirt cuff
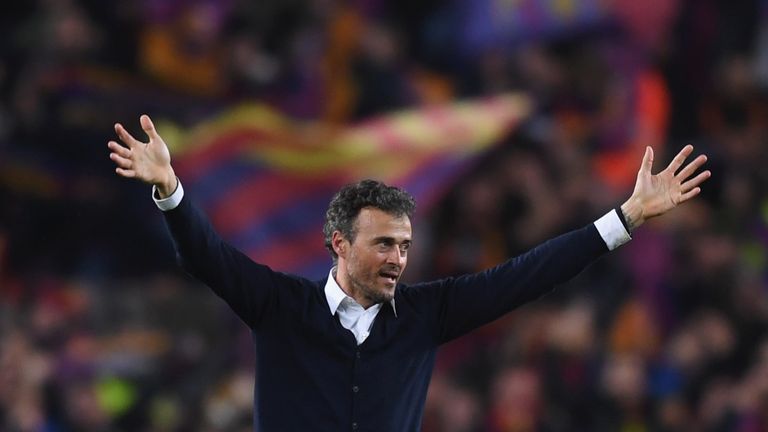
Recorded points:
(612,230)
(172,201)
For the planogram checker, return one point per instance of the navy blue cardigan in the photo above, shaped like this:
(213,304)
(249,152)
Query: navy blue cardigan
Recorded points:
(311,374)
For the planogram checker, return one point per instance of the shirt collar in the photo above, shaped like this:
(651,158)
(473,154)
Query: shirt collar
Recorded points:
(335,295)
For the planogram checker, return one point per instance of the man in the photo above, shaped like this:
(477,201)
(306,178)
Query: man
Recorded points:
(355,351)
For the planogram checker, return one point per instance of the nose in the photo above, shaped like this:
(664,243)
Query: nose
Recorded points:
(397,257)
(393,257)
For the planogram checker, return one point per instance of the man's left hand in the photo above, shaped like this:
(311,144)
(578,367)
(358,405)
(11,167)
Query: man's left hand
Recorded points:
(656,194)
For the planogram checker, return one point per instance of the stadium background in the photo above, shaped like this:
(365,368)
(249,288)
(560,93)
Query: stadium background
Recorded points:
(100,331)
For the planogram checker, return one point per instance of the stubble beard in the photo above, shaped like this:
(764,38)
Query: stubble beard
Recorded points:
(371,293)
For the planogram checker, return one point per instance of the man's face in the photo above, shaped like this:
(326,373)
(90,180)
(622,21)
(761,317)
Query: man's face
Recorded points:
(378,255)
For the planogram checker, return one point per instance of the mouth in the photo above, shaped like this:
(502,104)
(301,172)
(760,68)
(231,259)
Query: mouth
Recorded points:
(389,275)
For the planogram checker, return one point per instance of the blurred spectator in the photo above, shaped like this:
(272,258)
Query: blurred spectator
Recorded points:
(183,48)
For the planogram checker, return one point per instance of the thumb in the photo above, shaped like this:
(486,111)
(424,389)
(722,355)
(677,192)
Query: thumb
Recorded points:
(148,126)
(647,164)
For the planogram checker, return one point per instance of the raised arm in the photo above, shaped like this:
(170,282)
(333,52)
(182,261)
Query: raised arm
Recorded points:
(466,302)
(248,287)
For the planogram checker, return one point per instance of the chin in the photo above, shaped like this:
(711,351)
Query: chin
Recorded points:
(384,295)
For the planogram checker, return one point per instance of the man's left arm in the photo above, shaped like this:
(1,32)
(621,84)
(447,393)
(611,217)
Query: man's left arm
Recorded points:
(470,301)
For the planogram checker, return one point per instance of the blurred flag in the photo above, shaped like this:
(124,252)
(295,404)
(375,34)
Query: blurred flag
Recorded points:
(266,180)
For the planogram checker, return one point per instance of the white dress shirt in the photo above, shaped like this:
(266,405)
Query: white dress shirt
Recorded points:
(352,315)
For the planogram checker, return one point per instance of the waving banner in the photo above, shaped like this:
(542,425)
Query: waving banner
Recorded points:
(266,180)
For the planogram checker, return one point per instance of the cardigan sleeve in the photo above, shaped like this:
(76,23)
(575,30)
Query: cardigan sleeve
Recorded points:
(247,287)
(464,303)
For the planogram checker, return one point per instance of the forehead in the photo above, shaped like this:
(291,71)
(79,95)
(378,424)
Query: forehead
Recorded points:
(374,222)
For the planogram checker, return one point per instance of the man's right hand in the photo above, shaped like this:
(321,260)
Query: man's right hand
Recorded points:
(149,162)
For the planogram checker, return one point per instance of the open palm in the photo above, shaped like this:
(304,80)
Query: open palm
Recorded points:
(149,162)
(659,193)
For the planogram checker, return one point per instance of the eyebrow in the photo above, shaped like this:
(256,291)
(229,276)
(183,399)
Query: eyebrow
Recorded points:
(390,239)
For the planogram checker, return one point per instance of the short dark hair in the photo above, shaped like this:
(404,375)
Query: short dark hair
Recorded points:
(346,205)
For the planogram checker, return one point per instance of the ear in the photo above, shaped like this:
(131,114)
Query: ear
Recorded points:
(340,244)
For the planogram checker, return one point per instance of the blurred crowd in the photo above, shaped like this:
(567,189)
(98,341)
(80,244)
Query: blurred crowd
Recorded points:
(100,332)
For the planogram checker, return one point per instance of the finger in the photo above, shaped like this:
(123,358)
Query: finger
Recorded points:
(678,160)
(120,150)
(647,163)
(690,194)
(691,168)
(148,126)
(121,161)
(125,137)
(692,183)
(125,172)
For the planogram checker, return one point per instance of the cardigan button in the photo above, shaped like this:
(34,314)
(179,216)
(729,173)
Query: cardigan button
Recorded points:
(355,389)
(357,354)
(354,425)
